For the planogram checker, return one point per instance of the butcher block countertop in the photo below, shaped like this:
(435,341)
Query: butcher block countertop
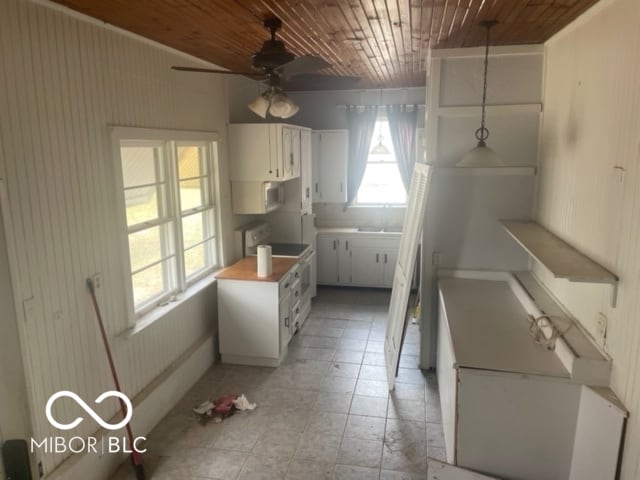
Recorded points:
(247,269)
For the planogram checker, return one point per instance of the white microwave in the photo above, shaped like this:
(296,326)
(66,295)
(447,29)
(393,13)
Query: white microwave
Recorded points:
(256,197)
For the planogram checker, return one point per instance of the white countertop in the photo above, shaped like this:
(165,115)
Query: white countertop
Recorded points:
(490,330)
(355,231)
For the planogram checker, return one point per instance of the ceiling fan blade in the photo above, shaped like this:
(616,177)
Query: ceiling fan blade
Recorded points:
(303,64)
(211,70)
(315,81)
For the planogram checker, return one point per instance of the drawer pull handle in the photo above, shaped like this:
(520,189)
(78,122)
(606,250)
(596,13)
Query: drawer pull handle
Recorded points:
(297,311)
(286,285)
(385,258)
(297,293)
(377,257)
(297,274)
(286,322)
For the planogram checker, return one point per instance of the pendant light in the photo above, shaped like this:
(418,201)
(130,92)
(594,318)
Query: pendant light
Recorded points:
(481,155)
(380,148)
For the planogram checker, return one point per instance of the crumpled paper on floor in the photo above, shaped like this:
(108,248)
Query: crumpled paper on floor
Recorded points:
(242,403)
(205,408)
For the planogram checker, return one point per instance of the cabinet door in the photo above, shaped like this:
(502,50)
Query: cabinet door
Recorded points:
(287,152)
(366,266)
(327,248)
(333,149)
(284,322)
(344,260)
(305,170)
(253,152)
(316,194)
(389,266)
(296,154)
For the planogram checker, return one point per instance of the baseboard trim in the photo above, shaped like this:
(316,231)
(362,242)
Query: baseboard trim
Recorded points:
(150,406)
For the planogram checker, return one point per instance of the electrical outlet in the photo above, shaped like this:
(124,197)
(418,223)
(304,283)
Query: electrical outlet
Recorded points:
(601,327)
(97,280)
(436,258)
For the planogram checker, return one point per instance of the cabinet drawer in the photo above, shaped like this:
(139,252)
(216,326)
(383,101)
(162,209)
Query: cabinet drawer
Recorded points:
(294,273)
(285,286)
(296,291)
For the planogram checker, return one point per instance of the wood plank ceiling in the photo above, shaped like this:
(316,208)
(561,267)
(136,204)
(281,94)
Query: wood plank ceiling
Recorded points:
(383,41)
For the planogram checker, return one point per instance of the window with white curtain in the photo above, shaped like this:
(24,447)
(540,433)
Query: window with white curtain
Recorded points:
(381,183)
(169,210)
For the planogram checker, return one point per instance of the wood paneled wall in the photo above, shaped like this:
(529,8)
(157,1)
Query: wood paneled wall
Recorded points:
(63,81)
(589,190)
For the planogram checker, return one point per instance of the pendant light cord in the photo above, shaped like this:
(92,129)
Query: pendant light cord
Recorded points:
(484,88)
(482,133)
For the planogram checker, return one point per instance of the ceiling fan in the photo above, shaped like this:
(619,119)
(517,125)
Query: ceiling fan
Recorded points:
(282,70)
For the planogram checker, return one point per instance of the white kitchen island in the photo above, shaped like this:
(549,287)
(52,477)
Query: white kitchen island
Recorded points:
(257,316)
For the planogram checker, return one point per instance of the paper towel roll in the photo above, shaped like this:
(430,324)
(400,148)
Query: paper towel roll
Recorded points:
(264,260)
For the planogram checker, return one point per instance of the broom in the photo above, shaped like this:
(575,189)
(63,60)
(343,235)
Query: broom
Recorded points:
(136,457)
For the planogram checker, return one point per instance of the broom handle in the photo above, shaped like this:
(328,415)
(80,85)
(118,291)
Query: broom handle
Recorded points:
(110,358)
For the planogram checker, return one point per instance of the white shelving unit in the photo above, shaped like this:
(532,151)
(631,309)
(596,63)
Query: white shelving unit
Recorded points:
(485,171)
(560,258)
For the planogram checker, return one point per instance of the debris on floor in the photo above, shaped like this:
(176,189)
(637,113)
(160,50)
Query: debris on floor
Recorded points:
(242,403)
(225,406)
(205,408)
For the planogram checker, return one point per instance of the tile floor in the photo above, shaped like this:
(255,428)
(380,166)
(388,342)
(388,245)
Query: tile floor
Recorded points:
(325,413)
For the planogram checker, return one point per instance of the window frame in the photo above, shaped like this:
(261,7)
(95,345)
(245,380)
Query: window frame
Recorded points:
(171,217)
(382,117)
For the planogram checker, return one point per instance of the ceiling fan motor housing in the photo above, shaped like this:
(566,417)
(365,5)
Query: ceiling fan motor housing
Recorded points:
(272,55)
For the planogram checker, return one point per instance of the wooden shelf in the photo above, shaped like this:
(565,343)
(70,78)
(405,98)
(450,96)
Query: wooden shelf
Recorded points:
(560,258)
(485,171)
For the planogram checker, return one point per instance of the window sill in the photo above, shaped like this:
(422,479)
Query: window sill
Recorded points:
(160,311)
(378,205)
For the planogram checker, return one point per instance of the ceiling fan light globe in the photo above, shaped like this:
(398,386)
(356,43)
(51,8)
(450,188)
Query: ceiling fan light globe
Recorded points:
(292,111)
(481,156)
(260,106)
(280,105)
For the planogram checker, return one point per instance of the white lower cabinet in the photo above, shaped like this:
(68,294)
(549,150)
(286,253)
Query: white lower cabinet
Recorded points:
(362,260)
(334,260)
(256,319)
(510,408)
(373,261)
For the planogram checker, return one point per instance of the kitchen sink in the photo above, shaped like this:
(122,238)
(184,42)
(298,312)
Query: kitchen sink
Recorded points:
(380,229)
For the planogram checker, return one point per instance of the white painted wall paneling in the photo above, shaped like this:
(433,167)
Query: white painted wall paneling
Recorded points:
(589,188)
(63,81)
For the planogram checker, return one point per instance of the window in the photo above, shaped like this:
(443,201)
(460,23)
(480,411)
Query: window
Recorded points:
(169,209)
(381,183)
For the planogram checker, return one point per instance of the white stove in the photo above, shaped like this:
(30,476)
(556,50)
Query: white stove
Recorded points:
(259,233)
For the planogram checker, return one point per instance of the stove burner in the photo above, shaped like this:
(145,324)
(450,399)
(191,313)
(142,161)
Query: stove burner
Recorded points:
(288,249)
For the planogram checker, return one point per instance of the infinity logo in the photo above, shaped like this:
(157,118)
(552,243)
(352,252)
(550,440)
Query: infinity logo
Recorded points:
(89,410)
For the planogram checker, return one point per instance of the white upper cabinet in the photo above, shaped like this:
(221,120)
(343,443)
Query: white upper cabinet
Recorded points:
(264,151)
(329,165)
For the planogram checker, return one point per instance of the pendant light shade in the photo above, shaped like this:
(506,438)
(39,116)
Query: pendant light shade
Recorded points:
(380,148)
(481,155)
